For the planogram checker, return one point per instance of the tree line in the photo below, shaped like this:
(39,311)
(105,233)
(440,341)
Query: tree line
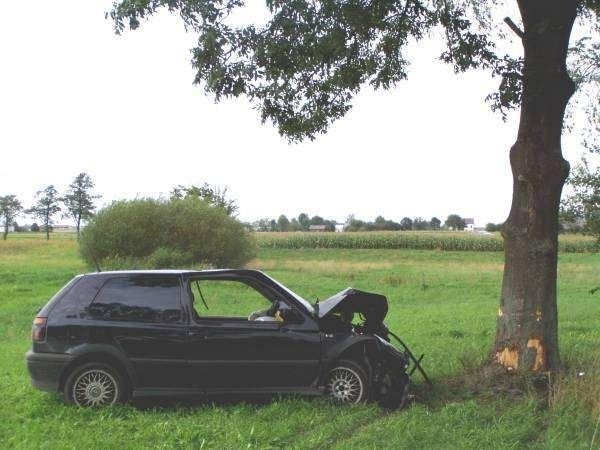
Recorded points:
(304,222)
(579,212)
(77,203)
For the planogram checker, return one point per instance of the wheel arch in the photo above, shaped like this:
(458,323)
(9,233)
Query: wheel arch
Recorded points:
(99,356)
(361,349)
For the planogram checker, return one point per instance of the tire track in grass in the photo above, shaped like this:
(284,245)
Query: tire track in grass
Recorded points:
(326,434)
(304,418)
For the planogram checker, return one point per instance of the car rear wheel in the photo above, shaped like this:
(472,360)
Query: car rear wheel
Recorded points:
(347,383)
(94,385)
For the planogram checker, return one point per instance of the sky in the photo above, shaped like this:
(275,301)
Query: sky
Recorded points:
(76,97)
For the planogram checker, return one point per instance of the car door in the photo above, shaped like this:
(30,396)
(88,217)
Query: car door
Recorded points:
(235,353)
(142,316)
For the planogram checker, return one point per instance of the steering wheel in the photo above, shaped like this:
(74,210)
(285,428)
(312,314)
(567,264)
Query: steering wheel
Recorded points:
(269,312)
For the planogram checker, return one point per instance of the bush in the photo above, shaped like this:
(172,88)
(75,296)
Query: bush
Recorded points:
(165,233)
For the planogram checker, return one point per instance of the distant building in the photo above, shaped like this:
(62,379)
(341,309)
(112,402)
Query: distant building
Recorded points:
(469,223)
(317,228)
(339,227)
(64,228)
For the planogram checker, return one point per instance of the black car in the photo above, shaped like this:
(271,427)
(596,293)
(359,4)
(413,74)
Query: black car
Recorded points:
(108,336)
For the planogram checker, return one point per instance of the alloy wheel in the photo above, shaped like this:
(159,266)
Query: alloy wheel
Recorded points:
(95,387)
(344,385)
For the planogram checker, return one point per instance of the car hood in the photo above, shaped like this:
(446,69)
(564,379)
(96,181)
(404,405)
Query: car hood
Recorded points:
(372,306)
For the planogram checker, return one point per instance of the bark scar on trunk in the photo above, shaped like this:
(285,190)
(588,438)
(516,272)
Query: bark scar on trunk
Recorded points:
(509,358)
(537,345)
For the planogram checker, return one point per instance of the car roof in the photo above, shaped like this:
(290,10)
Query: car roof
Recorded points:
(176,272)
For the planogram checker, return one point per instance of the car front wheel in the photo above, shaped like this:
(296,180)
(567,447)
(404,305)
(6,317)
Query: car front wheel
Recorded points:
(94,385)
(347,383)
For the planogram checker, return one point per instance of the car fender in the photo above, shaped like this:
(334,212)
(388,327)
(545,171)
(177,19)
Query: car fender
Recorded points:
(99,352)
(336,348)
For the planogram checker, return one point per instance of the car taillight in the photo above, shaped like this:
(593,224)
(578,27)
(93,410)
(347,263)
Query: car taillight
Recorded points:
(38,330)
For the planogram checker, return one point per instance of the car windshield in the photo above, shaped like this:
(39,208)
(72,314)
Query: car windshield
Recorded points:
(304,303)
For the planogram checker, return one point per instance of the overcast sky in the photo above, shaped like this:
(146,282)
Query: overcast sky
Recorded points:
(75,97)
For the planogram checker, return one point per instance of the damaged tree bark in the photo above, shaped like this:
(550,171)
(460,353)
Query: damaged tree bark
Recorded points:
(527,332)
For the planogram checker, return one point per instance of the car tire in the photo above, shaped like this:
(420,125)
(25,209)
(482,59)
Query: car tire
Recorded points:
(347,383)
(396,395)
(95,385)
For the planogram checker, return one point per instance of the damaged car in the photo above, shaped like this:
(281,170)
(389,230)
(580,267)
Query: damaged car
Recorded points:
(109,336)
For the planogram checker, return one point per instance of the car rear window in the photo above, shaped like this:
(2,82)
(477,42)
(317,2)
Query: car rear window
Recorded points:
(138,299)
(77,297)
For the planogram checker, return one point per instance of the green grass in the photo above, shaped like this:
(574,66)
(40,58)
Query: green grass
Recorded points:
(442,303)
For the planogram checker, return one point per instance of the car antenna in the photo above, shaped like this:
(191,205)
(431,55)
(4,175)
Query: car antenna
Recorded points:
(98,269)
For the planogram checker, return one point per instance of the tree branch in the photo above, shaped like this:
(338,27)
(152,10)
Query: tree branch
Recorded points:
(514,27)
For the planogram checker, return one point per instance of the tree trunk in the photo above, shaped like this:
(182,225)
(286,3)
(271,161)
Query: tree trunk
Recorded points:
(5,233)
(527,330)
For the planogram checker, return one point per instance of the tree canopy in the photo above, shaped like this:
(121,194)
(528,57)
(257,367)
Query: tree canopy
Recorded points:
(79,199)
(302,67)
(10,207)
(46,207)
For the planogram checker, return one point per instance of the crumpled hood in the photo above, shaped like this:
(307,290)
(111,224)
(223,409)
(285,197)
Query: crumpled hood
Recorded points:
(373,306)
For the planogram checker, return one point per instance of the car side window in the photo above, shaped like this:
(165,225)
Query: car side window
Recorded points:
(138,299)
(226,298)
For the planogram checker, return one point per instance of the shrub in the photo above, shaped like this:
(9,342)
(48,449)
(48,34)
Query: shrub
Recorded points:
(165,233)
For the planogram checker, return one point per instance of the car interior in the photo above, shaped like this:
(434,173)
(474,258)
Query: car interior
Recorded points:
(233,299)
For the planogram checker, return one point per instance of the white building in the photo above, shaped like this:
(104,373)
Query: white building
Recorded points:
(469,224)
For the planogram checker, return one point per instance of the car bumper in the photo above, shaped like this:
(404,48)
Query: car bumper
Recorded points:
(46,369)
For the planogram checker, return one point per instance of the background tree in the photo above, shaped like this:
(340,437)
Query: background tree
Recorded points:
(455,222)
(79,200)
(295,225)
(304,221)
(46,207)
(353,224)
(584,203)
(435,223)
(214,195)
(261,225)
(10,208)
(283,223)
(406,223)
(419,224)
(34,227)
(304,65)
(493,227)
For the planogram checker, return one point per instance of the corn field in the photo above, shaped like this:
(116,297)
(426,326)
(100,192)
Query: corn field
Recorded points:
(418,240)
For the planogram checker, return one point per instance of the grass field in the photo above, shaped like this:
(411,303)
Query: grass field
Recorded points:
(442,303)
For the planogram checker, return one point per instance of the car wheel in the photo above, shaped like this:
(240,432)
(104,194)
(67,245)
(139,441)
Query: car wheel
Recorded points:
(347,383)
(94,385)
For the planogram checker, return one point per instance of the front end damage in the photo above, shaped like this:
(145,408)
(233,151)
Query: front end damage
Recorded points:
(352,322)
